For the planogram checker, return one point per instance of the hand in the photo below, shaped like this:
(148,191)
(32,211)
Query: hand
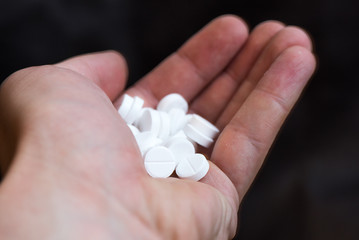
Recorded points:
(76,172)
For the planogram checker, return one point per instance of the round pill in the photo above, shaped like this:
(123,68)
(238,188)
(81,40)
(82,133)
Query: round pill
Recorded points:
(178,120)
(165,125)
(203,126)
(147,140)
(150,121)
(125,106)
(160,162)
(193,167)
(181,148)
(135,110)
(135,123)
(188,117)
(195,135)
(173,100)
(179,135)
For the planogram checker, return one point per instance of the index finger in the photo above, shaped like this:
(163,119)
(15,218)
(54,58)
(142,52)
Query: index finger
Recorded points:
(196,63)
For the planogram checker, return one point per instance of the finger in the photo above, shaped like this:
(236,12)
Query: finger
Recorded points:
(107,69)
(287,37)
(228,193)
(196,63)
(244,143)
(214,99)
(217,179)
(216,219)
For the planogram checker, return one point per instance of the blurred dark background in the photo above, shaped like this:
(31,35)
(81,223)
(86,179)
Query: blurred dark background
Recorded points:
(308,187)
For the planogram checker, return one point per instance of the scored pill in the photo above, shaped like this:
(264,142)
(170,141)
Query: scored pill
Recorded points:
(193,167)
(181,148)
(168,137)
(160,162)
(173,100)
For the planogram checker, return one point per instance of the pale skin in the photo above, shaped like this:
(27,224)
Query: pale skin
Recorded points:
(73,170)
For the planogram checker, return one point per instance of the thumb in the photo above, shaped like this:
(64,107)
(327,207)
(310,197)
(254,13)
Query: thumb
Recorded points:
(106,69)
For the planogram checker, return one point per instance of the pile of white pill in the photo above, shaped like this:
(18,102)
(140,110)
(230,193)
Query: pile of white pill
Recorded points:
(168,136)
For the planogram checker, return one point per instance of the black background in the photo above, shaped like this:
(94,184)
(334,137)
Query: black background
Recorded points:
(308,187)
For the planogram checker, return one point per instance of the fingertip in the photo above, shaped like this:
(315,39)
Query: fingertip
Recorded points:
(233,27)
(269,26)
(301,35)
(285,38)
(232,22)
(114,73)
(210,50)
(117,59)
(272,22)
(299,58)
(196,63)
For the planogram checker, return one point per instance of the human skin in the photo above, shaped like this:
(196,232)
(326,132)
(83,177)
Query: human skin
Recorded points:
(72,167)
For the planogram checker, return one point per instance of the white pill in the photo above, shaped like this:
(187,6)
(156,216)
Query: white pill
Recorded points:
(165,125)
(150,121)
(181,148)
(178,120)
(203,126)
(173,100)
(135,110)
(160,162)
(193,167)
(125,106)
(146,141)
(195,135)
(188,117)
(133,129)
(135,123)
(181,134)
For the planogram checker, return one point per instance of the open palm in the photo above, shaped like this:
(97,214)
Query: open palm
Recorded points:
(87,167)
